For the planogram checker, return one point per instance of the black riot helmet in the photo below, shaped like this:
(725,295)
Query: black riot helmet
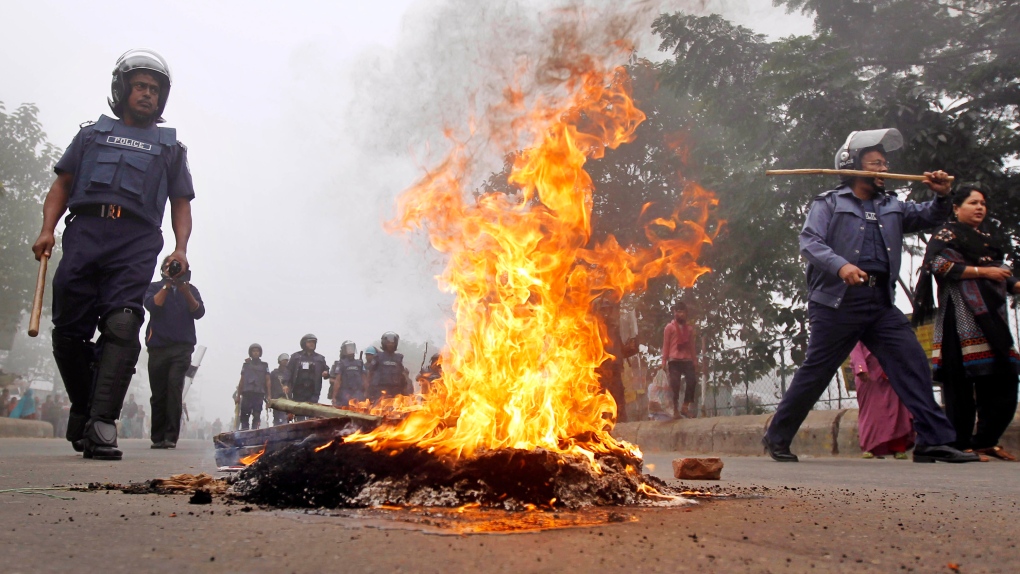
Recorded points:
(389,341)
(133,61)
(253,347)
(848,156)
(306,338)
(348,349)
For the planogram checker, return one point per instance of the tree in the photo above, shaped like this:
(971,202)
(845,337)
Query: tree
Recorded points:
(26,164)
(947,81)
(728,104)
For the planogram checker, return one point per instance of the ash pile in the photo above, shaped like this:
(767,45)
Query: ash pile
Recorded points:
(352,475)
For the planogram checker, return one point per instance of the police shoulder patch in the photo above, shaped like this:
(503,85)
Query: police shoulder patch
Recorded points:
(183,147)
(824,195)
(86,124)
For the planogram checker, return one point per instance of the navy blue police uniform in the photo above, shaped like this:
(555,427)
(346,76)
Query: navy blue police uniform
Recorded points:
(254,373)
(306,370)
(388,376)
(278,378)
(350,373)
(122,179)
(840,229)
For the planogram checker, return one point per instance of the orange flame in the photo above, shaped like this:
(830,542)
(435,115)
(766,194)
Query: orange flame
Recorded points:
(251,458)
(323,447)
(520,365)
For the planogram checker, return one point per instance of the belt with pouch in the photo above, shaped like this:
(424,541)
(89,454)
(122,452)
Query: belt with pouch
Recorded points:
(106,211)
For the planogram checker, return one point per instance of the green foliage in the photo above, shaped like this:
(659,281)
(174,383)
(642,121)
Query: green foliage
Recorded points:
(943,73)
(729,104)
(26,164)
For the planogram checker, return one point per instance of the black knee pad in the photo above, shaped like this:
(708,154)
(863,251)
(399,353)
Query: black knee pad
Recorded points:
(122,327)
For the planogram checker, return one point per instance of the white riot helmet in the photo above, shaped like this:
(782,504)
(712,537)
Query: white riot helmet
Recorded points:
(348,349)
(848,156)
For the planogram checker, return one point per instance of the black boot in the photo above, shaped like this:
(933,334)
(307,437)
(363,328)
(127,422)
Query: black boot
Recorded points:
(76,430)
(113,376)
(75,359)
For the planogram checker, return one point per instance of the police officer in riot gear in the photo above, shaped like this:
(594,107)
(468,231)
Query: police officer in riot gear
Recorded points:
(278,388)
(387,375)
(853,241)
(370,352)
(115,178)
(306,371)
(349,376)
(253,388)
(430,374)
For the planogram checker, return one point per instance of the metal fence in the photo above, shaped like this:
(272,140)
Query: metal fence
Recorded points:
(752,380)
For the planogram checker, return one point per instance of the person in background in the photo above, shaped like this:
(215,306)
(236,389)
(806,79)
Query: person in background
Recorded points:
(370,353)
(5,398)
(65,411)
(610,371)
(349,376)
(973,353)
(430,374)
(128,414)
(388,377)
(306,371)
(278,388)
(50,412)
(679,355)
(253,387)
(25,407)
(883,423)
(139,423)
(174,304)
(217,426)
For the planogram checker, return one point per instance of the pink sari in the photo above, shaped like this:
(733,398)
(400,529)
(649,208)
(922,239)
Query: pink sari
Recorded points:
(883,423)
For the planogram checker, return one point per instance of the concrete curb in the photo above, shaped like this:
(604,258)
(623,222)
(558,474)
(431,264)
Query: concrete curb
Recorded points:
(24,428)
(824,433)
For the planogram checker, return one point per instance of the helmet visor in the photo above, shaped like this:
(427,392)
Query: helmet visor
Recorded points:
(890,139)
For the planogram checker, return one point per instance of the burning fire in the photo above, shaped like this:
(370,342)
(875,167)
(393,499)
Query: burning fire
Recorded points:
(251,458)
(520,365)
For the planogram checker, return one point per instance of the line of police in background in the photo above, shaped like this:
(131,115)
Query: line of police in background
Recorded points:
(372,375)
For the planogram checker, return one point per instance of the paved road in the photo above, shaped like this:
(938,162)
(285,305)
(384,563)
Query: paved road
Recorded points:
(821,515)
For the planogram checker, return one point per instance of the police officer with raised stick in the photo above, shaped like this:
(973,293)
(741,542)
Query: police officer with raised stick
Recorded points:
(853,240)
(115,178)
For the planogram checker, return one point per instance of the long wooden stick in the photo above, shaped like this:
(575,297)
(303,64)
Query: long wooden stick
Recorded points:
(849,172)
(37,301)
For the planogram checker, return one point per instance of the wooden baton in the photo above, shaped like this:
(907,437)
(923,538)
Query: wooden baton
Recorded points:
(850,172)
(37,301)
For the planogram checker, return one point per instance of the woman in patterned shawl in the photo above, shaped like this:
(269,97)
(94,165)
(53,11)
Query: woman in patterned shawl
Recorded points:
(973,353)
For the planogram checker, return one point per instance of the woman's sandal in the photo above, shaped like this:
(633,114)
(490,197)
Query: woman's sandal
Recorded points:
(997,452)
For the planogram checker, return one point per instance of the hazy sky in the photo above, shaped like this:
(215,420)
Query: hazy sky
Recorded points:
(303,121)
